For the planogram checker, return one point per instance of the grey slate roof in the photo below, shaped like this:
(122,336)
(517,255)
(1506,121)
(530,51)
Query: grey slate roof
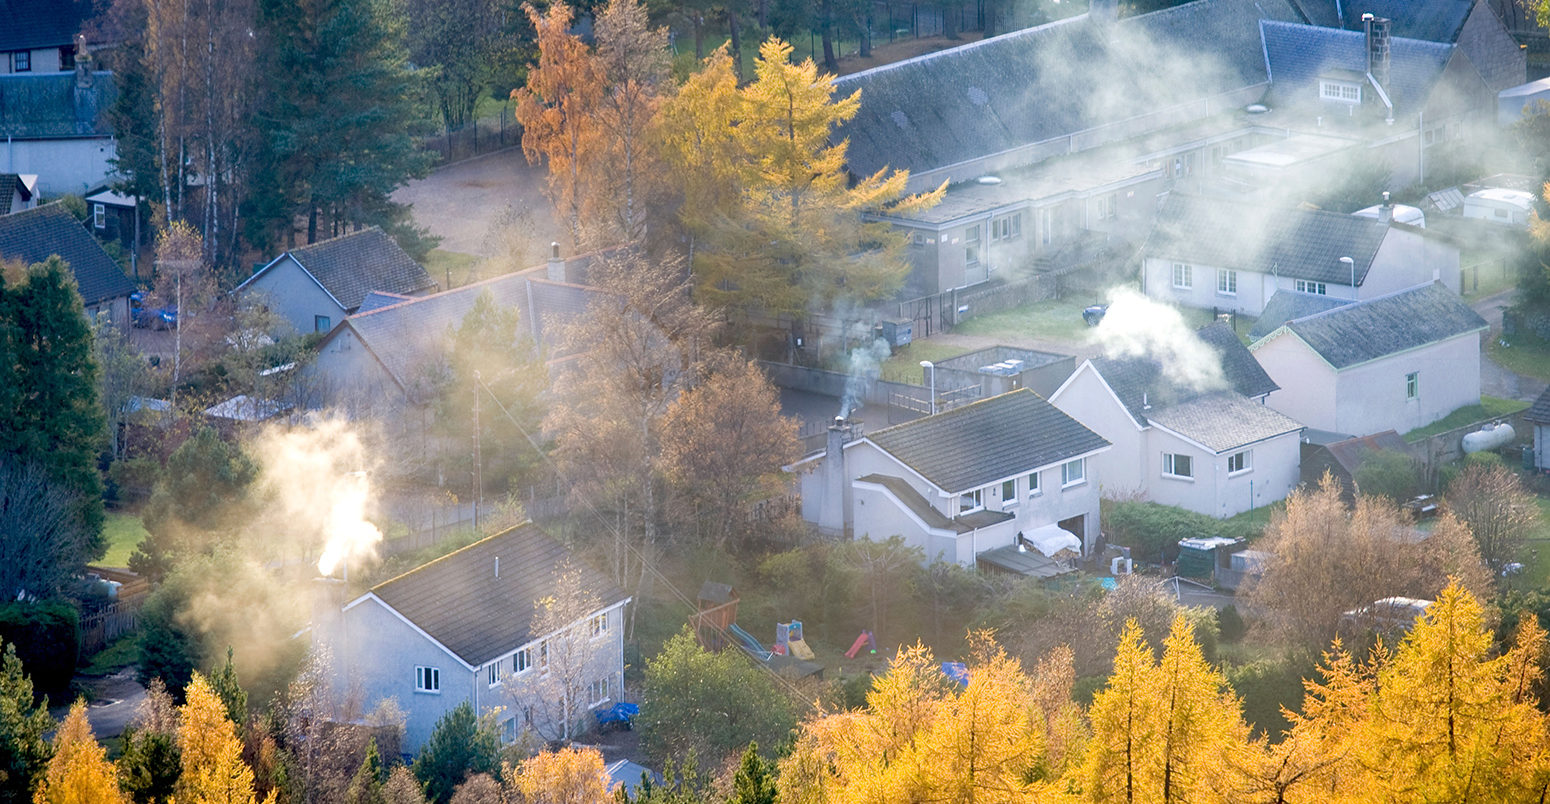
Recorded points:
(1431,20)
(1051,81)
(1285,305)
(36,24)
(1368,330)
(1296,243)
(1539,412)
(48,105)
(460,602)
(989,440)
(1298,55)
(1223,421)
(1142,388)
(33,235)
(379,298)
(932,517)
(10,183)
(352,265)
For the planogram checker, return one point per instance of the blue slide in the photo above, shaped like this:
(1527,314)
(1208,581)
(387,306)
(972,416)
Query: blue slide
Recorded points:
(749,643)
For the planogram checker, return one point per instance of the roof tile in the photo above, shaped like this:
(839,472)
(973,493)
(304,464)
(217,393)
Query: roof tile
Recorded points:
(33,235)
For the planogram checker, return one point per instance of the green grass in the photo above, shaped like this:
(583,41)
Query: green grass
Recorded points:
(122,533)
(458,268)
(121,653)
(1059,320)
(904,366)
(1257,519)
(1490,407)
(1535,554)
(1524,353)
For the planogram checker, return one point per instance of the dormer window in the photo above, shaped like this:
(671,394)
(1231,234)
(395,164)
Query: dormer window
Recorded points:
(1342,91)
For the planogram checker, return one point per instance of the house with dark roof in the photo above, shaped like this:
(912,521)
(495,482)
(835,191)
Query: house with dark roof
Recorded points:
(314,287)
(1538,415)
(17,192)
(465,628)
(388,356)
(55,125)
(1200,440)
(1395,362)
(1342,459)
(35,234)
(1009,473)
(1213,253)
(38,36)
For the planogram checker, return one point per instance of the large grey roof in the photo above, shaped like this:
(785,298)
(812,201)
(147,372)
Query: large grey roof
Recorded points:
(1368,330)
(1223,421)
(989,440)
(34,24)
(1285,305)
(1143,388)
(32,235)
(459,600)
(353,265)
(1052,81)
(1295,243)
(48,105)
(1298,55)
(1431,20)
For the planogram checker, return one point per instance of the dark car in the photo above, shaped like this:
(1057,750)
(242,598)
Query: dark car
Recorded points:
(152,317)
(1094,314)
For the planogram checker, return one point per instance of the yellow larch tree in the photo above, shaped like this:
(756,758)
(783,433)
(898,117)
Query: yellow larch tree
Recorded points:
(567,776)
(1200,722)
(79,772)
(213,770)
(1123,725)
(558,109)
(696,135)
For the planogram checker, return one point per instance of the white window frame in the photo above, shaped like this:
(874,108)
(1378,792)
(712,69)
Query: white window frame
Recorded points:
(1340,91)
(1073,473)
(976,500)
(1183,276)
(597,627)
(427,680)
(600,691)
(1245,461)
(494,673)
(1226,282)
(971,245)
(1033,485)
(99,216)
(1008,500)
(543,656)
(1309,286)
(1170,466)
(21,61)
(1412,385)
(522,661)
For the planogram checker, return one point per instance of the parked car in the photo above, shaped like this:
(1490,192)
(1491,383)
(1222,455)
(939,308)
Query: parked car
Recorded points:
(1094,314)
(151,317)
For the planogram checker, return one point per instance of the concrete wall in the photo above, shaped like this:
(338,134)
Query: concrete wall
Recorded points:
(1371,397)
(63,166)
(1086,399)
(292,293)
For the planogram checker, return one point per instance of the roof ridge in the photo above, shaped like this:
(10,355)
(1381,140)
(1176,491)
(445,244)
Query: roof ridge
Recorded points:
(437,295)
(967,46)
(1359,34)
(337,238)
(441,558)
(1354,304)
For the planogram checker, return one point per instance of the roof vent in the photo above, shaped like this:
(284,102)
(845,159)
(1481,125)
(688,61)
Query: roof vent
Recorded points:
(1256,108)
(497,566)
(989,180)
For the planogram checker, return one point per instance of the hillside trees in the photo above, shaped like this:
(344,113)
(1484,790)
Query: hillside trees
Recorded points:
(459,39)
(23,722)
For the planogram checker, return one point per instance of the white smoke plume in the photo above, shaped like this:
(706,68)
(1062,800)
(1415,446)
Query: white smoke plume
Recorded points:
(1136,326)
(865,363)
(317,483)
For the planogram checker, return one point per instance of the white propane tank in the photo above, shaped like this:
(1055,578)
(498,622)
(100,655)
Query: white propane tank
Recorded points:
(1491,436)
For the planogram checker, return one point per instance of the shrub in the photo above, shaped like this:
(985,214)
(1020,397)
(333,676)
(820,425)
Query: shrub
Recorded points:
(47,640)
(1389,473)
(1230,624)
(1152,531)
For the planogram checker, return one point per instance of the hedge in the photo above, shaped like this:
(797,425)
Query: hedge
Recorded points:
(47,637)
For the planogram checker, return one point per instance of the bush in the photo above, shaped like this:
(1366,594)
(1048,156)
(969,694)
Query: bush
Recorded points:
(1230,624)
(1265,687)
(1389,473)
(47,637)
(1152,531)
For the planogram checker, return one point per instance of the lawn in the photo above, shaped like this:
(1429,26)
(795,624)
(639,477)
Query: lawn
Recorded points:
(1525,354)
(904,366)
(1535,555)
(452,269)
(1058,320)
(122,533)
(1490,407)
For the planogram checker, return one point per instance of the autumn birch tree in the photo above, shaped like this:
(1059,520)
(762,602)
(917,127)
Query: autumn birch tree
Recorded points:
(634,60)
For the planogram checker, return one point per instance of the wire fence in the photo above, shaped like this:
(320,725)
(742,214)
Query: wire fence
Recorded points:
(484,136)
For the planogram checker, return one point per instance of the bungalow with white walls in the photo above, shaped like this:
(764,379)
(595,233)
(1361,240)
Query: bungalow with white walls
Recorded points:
(460,630)
(1218,451)
(1395,362)
(1212,253)
(1011,473)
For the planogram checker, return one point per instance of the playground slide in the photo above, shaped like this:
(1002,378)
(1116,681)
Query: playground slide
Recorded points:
(800,649)
(865,638)
(750,644)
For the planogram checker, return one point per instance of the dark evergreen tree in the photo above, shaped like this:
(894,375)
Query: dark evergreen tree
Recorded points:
(460,746)
(226,685)
(23,722)
(150,766)
(341,121)
(753,783)
(49,415)
(204,485)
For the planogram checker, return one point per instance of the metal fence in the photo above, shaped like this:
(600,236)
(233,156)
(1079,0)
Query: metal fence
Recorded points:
(476,139)
(942,311)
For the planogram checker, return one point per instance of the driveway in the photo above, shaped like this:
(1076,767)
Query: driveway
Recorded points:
(1495,380)
(115,700)
(480,206)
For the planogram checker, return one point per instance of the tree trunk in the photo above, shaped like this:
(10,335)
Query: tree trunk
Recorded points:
(864,23)
(826,14)
(949,25)
(737,44)
(312,222)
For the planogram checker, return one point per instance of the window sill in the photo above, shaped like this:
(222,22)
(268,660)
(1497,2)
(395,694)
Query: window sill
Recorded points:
(1241,472)
(1035,494)
(1224,294)
(1184,288)
(1185,478)
(427,692)
(1073,484)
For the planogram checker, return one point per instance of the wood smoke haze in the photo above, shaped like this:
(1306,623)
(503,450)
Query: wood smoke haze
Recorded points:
(317,483)
(1136,326)
(863,365)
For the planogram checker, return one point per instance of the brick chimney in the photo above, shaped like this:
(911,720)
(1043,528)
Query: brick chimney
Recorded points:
(1377,34)
(831,514)
(556,271)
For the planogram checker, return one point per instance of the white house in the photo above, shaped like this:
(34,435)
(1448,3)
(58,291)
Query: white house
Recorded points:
(55,125)
(460,629)
(39,36)
(1212,253)
(314,287)
(1396,362)
(17,192)
(992,482)
(1218,451)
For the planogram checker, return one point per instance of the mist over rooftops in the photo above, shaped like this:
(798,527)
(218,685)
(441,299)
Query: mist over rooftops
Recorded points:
(1433,20)
(1143,387)
(1056,80)
(1297,56)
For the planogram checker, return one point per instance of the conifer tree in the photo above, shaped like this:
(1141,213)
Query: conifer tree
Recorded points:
(752,784)
(213,770)
(1124,727)
(79,772)
(23,722)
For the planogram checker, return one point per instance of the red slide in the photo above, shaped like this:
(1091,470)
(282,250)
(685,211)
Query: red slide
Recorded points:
(864,638)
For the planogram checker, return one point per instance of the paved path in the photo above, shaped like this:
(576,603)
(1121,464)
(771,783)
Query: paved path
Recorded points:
(115,700)
(480,205)
(1495,380)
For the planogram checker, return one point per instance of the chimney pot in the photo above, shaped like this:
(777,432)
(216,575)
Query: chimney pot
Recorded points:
(556,271)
